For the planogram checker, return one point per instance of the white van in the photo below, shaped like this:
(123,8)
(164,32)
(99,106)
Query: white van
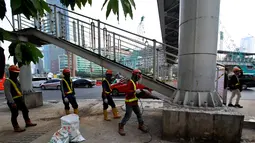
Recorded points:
(37,81)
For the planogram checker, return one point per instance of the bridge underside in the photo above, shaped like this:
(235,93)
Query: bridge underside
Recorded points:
(169,22)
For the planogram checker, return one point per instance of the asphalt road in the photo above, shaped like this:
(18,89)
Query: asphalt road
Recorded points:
(95,93)
(81,93)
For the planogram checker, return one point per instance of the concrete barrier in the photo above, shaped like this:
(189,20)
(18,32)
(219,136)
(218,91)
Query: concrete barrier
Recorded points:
(33,99)
(203,125)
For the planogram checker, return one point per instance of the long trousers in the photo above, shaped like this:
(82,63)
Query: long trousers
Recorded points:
(72,101)
(110,102)
(129,110)
(15,111)
(234,93)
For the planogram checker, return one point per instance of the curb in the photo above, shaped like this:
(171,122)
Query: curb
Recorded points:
(249,124)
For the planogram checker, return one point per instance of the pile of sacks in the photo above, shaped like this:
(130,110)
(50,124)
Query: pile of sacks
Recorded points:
(69,132)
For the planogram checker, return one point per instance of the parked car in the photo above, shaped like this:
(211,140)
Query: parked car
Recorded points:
(37,81)
(247,81)
(83,83)
(121,87)
(51,84)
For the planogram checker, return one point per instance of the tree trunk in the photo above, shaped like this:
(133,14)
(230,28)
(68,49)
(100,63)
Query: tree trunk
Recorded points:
(26,79)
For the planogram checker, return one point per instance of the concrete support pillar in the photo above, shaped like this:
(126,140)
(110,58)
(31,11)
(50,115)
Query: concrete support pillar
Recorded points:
(25,77)
(198,35)
(170,72)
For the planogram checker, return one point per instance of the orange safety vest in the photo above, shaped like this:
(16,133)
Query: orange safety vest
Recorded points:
(19,94)
(134,98)
(68,87)
(108,86)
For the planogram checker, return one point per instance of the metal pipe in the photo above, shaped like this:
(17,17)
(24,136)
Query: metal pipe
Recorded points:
(93,35)
(99,37)
(74,32)
(13,22)
(114,49)
(157,64)
(61,31)
(105,39)
(82,36)
(154,60)
(19,21)
(217,81)
(78,32)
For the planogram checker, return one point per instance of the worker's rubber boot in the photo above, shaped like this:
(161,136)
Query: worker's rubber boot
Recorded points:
(18,129)
(67,112)
(30,124)
(142,128)
(115,113)
(106,116)
(76,111)
(121,130)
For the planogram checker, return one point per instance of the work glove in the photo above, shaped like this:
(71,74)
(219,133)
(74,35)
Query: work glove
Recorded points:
(66,100)
(138,91)
(106,101)
(14,105)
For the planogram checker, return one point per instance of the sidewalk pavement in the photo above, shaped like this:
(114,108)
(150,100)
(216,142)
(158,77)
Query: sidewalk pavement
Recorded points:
(92,125)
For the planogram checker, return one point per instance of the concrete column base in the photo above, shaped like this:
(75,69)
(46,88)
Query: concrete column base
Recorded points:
(221,124)
(33,99)
(197,99)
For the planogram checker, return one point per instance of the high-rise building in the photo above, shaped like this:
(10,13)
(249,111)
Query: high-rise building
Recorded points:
(63,63)
(51,52)
(247,44)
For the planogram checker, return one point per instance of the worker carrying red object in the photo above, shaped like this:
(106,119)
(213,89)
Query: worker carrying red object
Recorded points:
(107,98)
(131,101)
(68,93)
(15,99)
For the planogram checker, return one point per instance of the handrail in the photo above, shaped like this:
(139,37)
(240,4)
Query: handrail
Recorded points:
(113,26)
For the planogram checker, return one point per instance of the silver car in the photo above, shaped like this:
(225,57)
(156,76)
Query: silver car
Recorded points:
(51,84)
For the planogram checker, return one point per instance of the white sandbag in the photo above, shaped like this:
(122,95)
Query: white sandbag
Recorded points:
(61,136)
(71,123)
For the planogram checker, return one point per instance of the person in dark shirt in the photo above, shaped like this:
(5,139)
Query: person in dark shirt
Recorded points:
(235,87)
(225,92)
(107,98)
(15,99)
(68,92)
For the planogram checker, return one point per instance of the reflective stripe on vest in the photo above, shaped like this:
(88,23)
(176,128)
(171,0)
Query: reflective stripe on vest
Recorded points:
(108,86)
(135,98)
(16,89)
(68,87)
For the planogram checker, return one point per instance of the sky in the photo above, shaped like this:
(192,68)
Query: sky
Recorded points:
(235,15)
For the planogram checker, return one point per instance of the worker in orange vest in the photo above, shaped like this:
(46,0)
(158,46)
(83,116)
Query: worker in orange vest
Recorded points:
(131,101)
(107,98)
(15,99)
(68,93)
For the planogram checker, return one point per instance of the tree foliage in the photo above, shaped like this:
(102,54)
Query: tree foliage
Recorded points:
(24,52)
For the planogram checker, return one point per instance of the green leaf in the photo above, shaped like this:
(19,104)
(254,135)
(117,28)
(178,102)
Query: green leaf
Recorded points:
(15,4)
(133,3)
(2,9)
(127,8)
(90,2)
(72,3)
(104,4)
(78,2)
(12,47)
(84,2)
(45,6)
(115,6)
(109,8)
(18,53)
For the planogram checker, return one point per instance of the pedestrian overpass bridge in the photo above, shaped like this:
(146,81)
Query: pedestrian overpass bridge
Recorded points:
(104,44)
(96,41)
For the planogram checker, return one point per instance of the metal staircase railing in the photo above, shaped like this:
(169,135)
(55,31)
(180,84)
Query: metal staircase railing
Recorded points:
(121,46)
